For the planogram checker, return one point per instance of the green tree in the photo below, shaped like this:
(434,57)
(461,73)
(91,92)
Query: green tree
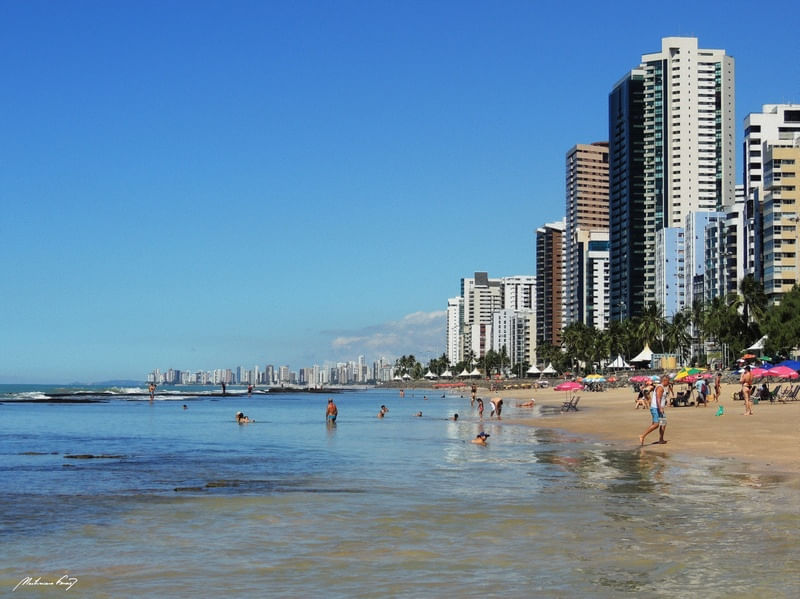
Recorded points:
(651,325)
(782,324)
(677,338)
(753,299)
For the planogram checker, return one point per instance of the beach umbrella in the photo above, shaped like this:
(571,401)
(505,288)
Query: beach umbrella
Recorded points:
(748,357)
(688,372)
(793,364)
(639,378)
(568,386)
(783,372)
(612,379)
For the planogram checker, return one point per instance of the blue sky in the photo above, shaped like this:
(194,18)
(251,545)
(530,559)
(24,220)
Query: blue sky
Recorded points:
(211,184)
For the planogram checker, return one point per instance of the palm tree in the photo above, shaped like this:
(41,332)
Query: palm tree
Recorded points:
(677,338)
(753,299)
(651,325)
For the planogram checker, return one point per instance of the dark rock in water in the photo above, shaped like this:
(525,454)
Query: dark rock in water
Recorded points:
(222,483)
(91,456)
(39,453)
(188,489)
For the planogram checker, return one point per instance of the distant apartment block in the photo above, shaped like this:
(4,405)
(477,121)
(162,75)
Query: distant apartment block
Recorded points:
(550,282)
(586,213)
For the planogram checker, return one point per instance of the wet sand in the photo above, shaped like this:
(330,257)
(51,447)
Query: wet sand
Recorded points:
(770,439)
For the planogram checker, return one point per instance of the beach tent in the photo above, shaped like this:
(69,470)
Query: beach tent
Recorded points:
(464,373)
(644,356)
(758,345)
(397,378)
(549,369)
(534,370)
(793,364)
(619,362)
(447,374)
(406,376)
(430,375)
(475,372)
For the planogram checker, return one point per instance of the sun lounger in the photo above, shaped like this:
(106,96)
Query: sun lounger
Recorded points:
(571,404)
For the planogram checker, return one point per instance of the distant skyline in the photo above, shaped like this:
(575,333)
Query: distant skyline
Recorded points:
(207,184)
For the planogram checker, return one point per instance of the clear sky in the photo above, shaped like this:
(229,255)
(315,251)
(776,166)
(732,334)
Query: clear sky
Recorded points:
(204,185)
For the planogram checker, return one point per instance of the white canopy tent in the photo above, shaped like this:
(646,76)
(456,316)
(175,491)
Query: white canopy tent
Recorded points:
(644,356)
(463,373)
(447,374)
(619,362)
(758,345)
(430,375)
(533,370)
(475,372)
(549,369)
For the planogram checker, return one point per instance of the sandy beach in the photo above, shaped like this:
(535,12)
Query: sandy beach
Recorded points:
(768,440)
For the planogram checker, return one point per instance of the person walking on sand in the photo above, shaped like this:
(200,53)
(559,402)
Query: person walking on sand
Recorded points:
(747,389)
(718,386)
(332,412)
(659,420)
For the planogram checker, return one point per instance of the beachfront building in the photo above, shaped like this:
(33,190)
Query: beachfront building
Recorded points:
(697,226)
(671,153)
(550,282)
(592,278)
(670,267)
(470,316)
(586,213)
(515,330)
(781,215)
(455,313)
(775,124)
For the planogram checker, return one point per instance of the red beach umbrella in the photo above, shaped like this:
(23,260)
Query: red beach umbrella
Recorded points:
(783,372)
(568,386)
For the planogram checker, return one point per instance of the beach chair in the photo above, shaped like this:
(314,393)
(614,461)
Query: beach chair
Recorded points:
(570,404)
(774,394)
(789,395)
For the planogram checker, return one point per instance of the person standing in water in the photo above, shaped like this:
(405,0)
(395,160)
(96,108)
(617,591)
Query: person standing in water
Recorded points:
(332,412)
(152,391)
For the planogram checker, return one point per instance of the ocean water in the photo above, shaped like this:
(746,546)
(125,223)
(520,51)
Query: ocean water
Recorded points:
(184,502)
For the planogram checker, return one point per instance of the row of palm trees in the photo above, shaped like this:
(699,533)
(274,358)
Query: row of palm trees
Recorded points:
(735,321)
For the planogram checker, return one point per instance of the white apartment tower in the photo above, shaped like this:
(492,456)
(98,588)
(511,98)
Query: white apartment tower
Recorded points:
(776,124)
(455,309)
(686,112)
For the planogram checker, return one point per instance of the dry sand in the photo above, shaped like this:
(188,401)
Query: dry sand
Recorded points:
(768,440)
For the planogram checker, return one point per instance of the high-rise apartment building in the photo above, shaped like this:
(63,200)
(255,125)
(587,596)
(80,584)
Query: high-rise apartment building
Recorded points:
(781,216)
(550,282)
(586,212)
(470,317)
(455,311)
(671,153)
(776,124)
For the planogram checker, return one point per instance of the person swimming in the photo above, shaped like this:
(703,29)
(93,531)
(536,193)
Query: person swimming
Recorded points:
(242,419)
(480,438)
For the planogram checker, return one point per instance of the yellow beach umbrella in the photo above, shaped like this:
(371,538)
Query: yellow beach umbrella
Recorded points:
(688,372)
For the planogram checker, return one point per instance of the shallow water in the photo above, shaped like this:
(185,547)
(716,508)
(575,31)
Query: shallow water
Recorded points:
(186,502)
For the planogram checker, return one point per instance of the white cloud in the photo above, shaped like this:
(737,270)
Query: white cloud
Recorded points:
(419,333)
